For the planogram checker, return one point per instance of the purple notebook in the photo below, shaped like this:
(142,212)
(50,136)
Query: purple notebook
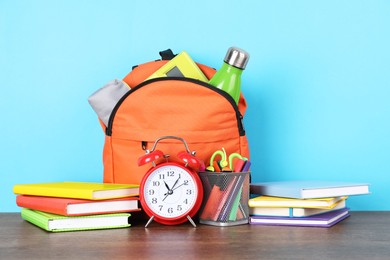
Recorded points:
(321,220)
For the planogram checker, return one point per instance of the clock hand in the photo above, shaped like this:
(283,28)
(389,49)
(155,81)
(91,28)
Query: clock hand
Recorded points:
(170,190)
(166,185)
(175,183)
(178,186)
(166,195)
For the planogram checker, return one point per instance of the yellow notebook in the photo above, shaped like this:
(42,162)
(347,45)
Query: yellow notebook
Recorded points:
(78,190)
(269,202)
(180,66)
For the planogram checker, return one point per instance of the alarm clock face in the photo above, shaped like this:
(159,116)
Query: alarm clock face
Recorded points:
(170,191)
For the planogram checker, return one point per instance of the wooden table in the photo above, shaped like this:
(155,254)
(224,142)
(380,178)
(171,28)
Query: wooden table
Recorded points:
(364,235)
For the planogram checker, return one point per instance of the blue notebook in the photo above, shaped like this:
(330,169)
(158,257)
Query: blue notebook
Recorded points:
(308,189)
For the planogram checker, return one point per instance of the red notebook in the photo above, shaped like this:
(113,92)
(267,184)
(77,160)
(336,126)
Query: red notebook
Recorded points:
(77,207)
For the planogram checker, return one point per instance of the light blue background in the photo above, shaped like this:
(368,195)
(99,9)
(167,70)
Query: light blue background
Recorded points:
(317,83)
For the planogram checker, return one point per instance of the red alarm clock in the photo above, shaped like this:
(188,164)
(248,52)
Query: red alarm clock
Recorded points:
(171,193)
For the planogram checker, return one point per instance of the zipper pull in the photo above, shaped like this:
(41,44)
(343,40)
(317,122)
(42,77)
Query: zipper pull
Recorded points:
(242,128)
(108,131)
(144,145)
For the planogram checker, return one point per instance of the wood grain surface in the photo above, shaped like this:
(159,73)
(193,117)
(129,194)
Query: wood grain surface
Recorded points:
(364,235)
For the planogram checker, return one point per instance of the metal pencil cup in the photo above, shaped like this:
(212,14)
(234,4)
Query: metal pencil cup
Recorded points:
(225,200)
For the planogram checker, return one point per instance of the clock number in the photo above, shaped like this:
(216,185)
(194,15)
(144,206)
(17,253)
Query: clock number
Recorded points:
(151,192)
(170,210)
(161,176)
(189,192)
(171,173)
(161,207)
(156,183)
(186,182)
(179,208)
(154,200)
(185,201)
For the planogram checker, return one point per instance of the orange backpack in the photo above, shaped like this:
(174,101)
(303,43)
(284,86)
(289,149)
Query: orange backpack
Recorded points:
(207,118)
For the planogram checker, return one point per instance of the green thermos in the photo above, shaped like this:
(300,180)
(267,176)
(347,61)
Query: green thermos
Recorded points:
(228,77)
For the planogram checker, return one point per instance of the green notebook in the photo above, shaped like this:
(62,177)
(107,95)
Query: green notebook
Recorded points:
(57,223)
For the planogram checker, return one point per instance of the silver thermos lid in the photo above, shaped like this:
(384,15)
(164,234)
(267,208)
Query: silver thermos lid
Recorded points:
(237,57)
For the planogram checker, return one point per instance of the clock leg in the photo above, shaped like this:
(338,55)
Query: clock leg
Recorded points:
(149,221)
(191,221)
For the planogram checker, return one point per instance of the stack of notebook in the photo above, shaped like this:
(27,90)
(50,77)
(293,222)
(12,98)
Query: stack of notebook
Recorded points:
(301,203)
(71,206)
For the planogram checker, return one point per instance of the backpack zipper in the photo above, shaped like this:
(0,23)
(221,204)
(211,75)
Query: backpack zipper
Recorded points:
(226,95)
